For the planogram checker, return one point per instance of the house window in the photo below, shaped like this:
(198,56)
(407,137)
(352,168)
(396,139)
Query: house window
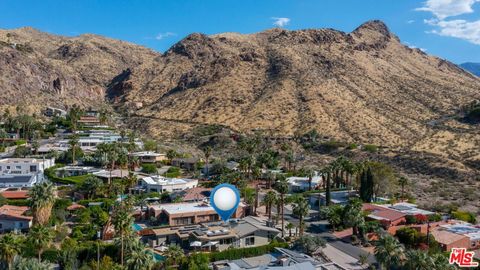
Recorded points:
(18,167)
(8,167)
(250,241)
(33,168)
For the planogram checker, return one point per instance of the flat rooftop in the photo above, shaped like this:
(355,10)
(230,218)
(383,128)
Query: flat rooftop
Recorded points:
(181,208)
(163,181)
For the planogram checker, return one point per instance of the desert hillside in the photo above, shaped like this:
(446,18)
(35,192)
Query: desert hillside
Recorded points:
(38,69)
(363,86)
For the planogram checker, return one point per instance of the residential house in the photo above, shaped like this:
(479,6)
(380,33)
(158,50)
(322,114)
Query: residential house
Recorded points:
(149,156)
(183,214)
(186,163)
(299,184)
(14,218)
(472,232)
(213,236)
(387,216)
(449,240)
(51,111)
(88,120)
(252,231)
(162,184)
(23,172)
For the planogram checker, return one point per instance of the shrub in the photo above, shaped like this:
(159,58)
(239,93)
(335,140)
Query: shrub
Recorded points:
(20,142)
(149,168)
(410,219)
(352,146)
(370,148)
(435,217)
(464,216)
(173,172)
(421,219)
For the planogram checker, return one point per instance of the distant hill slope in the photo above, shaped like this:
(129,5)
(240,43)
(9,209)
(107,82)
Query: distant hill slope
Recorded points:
(473,68)
(38,69)
(362,86)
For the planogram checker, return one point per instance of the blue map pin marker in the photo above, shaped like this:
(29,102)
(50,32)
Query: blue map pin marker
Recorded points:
(225,198)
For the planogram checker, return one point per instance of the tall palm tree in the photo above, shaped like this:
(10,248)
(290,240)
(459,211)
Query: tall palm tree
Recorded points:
(73,142)
(326,175)
(389,252)
(74,115)
(417,259)
(403,181)
(289,227)
(122,222)
(40,237)
(300,209)
(10,246)
(281,186)
(131,181)
(42,196)
(269,200)
(174,254)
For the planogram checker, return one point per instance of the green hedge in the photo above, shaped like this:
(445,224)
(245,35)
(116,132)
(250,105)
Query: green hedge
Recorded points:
(234,254)
(50,173)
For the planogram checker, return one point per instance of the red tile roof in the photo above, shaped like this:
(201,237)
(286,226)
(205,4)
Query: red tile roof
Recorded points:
(380,212)
(75,207)
(14,212)
(18,194)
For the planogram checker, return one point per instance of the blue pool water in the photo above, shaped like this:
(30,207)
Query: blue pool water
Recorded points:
(137,227)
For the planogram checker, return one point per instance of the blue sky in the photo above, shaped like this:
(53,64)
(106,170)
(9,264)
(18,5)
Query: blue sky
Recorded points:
(446,28)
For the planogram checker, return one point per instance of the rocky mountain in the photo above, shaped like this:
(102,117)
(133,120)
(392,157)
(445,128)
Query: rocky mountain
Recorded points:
(473,68)
(362,86)
(38,69)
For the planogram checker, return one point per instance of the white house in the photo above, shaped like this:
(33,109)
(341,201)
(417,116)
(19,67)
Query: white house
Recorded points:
(23,172)
(297,184)
(161,184)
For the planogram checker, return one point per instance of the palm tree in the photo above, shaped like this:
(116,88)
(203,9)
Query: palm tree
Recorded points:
(326,173)
(74,115)
(10,246)
(73,142)
(353,215)
(40,238)
(281,186)
(174,254)
(140,259)
(417,259)
(269,200)
(389,252)
(289,227)
(131,181)
(42,196)
(363,259)
(122,222)
(300,209)
(403,181)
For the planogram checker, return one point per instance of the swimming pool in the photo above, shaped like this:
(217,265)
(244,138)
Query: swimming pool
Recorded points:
(136,227)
